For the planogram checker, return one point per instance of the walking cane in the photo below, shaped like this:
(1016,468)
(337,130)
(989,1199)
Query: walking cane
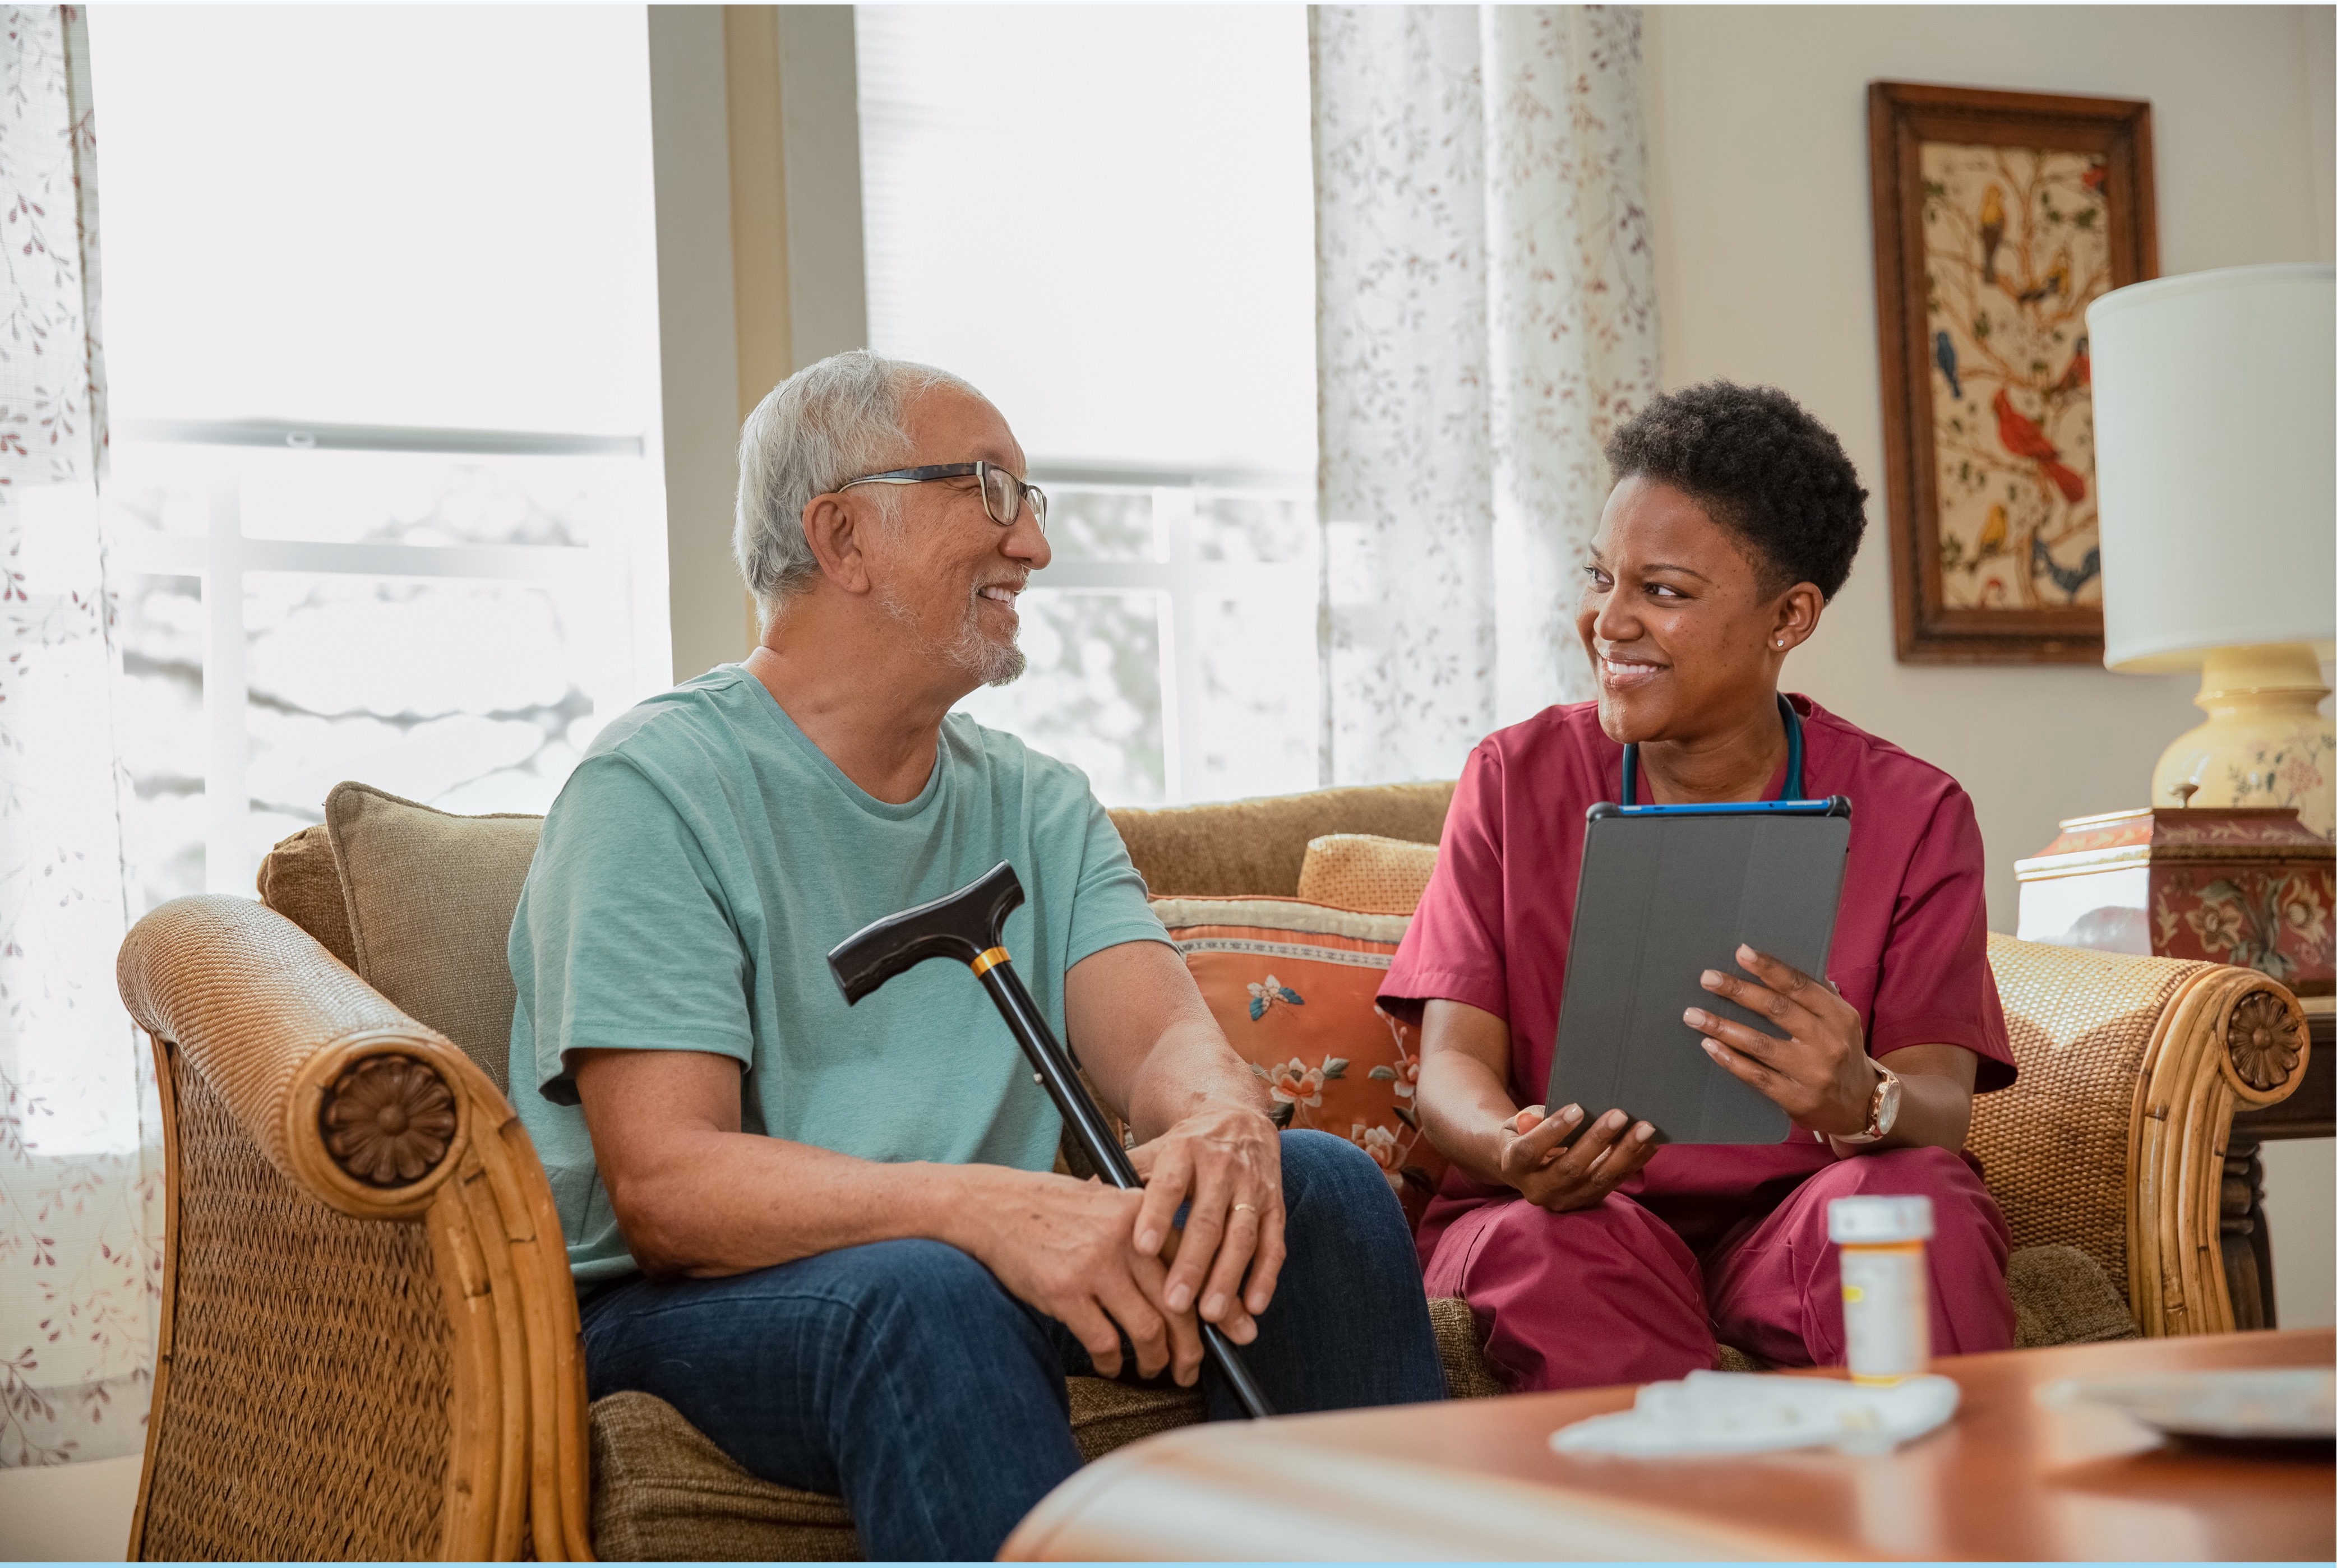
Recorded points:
(966,925)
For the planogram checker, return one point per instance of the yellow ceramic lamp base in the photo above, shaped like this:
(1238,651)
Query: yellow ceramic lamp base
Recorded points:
(2265,742)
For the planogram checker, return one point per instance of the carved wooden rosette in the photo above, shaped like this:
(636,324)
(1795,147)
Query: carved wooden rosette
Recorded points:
(389,1120)
(2230,1040)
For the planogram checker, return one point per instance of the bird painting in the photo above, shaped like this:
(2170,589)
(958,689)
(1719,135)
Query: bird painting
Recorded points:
(2068,580)
(1943,355)
(1991,230)
(1991,534)
(2057,281)
(2016,242)
(2021,438)
(2081,368)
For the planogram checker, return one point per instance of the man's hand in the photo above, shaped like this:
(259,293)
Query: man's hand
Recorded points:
(1228,1160)
(1819,1070)
(1065,1248)
(1147,1041)
(1555,1174)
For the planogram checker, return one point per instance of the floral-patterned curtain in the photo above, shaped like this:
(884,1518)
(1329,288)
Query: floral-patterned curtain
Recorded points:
(80,1174)
(1485,315)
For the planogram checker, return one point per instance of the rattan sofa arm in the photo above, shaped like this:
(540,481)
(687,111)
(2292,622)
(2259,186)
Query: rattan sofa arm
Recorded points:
(2230,1037)
(357,1104)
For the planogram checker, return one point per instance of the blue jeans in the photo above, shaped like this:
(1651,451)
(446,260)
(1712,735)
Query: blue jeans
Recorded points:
(903,1376)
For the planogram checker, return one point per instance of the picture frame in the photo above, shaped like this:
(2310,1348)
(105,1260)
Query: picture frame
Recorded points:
(1997,217)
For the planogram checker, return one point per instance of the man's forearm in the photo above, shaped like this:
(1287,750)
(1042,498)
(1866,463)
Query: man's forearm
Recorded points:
(718,1203)
(1190,1069)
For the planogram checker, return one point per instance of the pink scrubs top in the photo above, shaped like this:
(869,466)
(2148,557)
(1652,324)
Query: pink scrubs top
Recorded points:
(1909,943)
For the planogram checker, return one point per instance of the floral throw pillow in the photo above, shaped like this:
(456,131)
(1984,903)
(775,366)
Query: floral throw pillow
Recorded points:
(1293,985)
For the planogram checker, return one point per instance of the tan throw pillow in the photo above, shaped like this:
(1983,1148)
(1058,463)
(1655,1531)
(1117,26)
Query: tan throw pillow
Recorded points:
(1366,873)
(430,899)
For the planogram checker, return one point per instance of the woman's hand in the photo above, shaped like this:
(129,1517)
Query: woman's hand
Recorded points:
(1819,1071)
(1556,1176)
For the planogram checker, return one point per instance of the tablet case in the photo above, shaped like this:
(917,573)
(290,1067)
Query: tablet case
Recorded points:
(1665,893)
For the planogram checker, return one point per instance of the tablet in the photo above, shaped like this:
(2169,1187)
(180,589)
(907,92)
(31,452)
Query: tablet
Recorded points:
(1667,893)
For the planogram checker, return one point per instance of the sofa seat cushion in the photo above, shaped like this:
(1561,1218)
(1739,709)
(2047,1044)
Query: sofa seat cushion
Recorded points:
(661,1490)
(2062,1296)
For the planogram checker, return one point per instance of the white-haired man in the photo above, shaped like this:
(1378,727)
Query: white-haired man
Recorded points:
(832,1237)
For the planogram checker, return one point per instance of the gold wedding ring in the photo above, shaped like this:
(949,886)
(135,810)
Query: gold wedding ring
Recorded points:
(1240,1207)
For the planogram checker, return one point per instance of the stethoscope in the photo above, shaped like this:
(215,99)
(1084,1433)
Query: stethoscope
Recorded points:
(1794,791)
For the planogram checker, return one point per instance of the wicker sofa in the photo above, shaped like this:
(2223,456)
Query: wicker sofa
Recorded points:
(368,1341)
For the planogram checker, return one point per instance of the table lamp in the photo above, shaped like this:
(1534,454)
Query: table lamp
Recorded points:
(2215,451)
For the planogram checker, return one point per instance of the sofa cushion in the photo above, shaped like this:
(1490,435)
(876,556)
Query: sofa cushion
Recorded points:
(2062,1296)
(1293,985)
(1364,871)
(299,881)
(661,1490)
(1257,847)
(430,897)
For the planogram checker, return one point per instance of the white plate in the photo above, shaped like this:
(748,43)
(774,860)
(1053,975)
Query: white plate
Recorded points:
(2283,1402)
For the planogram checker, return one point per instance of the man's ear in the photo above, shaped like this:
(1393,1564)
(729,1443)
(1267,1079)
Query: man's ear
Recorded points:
(834,526)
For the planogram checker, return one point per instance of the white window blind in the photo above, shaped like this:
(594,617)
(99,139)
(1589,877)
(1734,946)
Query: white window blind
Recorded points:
(1103,218)
(380,318)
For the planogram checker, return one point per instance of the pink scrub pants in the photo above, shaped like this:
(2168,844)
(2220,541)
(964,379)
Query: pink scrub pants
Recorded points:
(1707,1244)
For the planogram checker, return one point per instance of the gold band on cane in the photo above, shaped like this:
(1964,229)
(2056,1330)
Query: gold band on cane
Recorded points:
(989,960)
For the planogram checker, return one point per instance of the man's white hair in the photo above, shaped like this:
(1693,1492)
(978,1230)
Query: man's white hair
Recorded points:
(827,422)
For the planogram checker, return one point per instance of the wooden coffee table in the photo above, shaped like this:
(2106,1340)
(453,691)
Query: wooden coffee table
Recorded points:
(1476,1478)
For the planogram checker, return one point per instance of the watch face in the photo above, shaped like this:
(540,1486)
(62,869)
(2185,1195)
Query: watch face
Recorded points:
(1887,1107)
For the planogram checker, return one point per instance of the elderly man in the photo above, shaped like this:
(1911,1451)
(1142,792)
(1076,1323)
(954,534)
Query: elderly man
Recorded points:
(832,1237)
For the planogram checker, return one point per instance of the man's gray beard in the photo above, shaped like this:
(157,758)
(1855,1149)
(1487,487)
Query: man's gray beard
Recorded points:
(969,650)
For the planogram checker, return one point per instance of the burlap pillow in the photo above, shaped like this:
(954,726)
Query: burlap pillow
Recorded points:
(430,900)
(1362,871)
(1294,986)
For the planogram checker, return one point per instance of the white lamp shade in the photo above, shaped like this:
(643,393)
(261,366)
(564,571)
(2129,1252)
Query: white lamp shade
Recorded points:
(2215,454)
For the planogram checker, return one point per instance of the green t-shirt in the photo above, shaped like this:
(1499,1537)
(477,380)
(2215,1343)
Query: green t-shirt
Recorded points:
(694,871)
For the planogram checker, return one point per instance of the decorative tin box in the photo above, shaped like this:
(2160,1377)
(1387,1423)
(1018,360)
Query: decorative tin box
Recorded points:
(2239,885)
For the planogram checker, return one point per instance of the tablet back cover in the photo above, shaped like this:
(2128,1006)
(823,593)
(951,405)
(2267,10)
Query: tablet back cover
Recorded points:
(1662,899)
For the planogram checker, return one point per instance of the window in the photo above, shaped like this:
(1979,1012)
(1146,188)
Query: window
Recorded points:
(1144,317)
(380,323)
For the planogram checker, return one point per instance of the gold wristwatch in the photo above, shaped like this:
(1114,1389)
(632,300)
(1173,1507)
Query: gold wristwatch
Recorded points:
(1882,1111)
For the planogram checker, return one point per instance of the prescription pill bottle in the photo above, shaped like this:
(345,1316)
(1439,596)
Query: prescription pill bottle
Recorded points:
(1886,1285)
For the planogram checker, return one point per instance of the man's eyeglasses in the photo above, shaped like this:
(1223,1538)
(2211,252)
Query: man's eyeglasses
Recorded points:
(1003,494)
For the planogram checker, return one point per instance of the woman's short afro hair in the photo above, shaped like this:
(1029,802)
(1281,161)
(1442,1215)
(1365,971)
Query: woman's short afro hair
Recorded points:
(1765,470)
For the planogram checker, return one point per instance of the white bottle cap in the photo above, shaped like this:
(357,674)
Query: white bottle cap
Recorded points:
(1878,1222)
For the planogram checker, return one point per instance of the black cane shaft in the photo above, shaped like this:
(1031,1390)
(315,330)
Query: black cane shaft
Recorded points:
(1061,1078)
(1080,1114)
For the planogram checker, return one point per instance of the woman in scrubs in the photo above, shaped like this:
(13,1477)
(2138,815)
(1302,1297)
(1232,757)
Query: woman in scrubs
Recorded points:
(1588,1254)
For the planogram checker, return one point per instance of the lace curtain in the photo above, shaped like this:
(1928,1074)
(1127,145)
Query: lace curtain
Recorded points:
(80,1177)
(1485,315)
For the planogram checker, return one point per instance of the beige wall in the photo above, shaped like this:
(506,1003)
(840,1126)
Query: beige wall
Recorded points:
(1764,251)
(1763,245)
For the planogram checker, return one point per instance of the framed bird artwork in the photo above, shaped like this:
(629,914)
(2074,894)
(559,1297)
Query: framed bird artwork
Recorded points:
(1998,216)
